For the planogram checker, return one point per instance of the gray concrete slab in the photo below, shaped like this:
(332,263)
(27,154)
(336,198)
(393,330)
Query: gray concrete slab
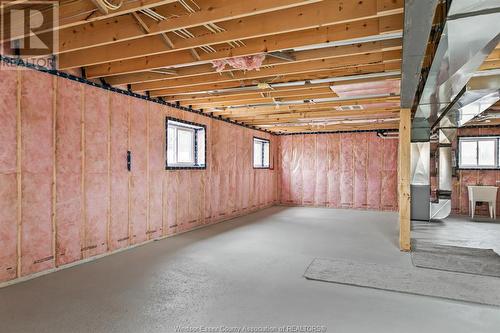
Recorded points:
(247,271)
(482,233)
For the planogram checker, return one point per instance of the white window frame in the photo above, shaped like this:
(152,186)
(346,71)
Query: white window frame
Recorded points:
(263,142)
(177,125)
(478,139)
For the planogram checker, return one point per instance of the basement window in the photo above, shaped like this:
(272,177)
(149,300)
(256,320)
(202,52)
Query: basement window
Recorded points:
(260,153)
(185,145)
(479,152)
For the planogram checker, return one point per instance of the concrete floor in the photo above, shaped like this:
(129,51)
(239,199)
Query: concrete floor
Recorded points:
(243,272)
(482,232)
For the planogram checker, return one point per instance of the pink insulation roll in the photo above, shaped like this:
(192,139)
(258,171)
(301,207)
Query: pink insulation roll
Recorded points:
(170,190)
(96,171)
(285,167)
(334,151)
(389,198)
(296,169)
(8,176)
(37,166)
(360,153)
(321,185)
(245,63)
(309,170)
(346,170)
(119,214)
(69,199)
(156,169)
(138,175)
(374,172)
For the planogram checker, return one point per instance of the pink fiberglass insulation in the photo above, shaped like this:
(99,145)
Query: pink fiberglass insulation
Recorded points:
(245,63)
(183,200)
(309,170)
(170,189)
(8,113)
(346,170)
(37,167)
(197,189)
(468,177)
(138,176)
(389,175)
(96,171)
(8,226)
(286,152)
(156,169)
(119,214)
(94,192)
(360,153)
(296,169)
(374,167)
(334,151)
(68,172)
(8,177)
(367,88)
(321,186)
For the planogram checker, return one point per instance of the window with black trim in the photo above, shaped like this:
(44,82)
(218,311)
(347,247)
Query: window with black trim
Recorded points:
(481,152)
(260,153)
(185,144)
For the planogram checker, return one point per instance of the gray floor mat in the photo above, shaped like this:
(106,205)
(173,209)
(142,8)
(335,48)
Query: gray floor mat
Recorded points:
(456,259)
(428,282)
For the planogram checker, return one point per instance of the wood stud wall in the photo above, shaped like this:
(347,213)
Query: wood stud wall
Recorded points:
(65,192)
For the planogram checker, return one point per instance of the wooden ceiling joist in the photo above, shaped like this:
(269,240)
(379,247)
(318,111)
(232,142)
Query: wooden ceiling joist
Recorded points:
(358,29)
(278,70)
(116,30)
(299,56)
(312,75)
(168,49)
(273,21)
(76,13)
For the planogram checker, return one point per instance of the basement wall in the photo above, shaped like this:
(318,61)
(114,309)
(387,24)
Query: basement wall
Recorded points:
(66,194)
(463,178)
(341,170)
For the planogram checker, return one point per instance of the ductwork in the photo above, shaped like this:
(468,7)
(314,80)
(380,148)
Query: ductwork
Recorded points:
(449,97)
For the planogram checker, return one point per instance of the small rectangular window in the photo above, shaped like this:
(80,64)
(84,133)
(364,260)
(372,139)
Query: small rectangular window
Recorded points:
(260,153)
(479,152)
(185,144)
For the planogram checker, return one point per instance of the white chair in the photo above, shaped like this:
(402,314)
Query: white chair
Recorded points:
(483,194)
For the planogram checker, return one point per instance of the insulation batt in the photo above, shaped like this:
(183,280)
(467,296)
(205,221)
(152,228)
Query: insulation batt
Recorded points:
(71,197)
(246,63)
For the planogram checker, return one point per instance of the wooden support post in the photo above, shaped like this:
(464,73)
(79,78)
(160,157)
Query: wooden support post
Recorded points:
(404,179)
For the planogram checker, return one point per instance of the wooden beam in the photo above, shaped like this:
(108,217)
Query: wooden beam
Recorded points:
(244,112)
(299,56)
(320,74)
(84,12)
(283,69)
(330,128)
(218,107)
(143,61)
(332,112)
(115,30)
(232,88)
(404,179)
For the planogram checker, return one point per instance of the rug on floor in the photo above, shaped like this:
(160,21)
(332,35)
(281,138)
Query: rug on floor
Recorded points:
(419,281)
(455,258)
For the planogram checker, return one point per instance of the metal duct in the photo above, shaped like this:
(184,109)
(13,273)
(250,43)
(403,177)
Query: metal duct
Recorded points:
(470,33)
(442,208)
(419,181)
(481,92)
